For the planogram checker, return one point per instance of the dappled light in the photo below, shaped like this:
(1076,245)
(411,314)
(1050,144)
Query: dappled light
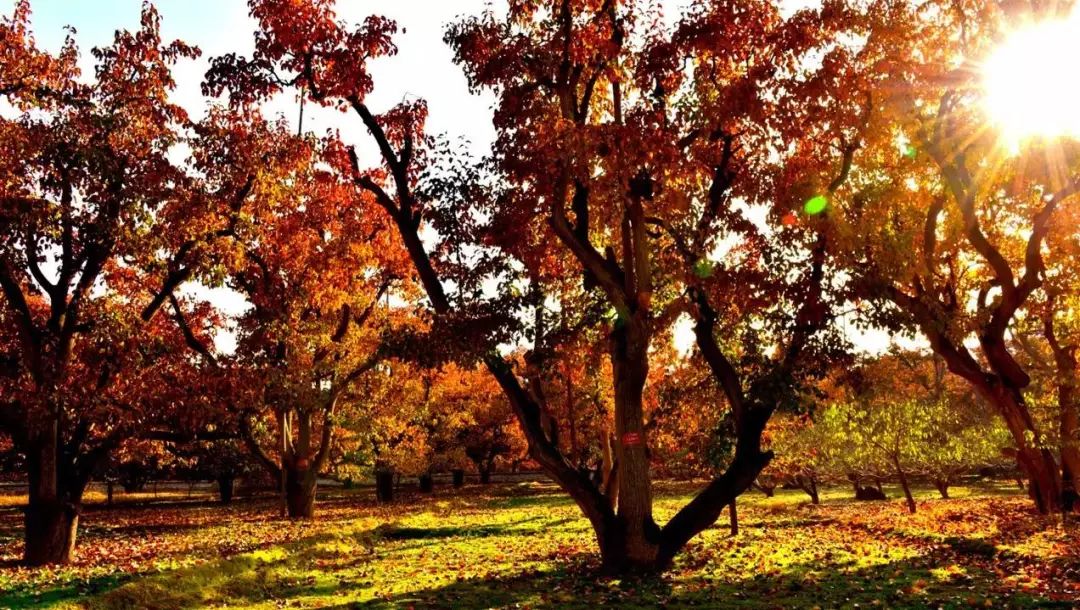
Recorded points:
(539,303)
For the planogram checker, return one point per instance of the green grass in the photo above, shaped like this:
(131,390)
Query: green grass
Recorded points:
(527,546)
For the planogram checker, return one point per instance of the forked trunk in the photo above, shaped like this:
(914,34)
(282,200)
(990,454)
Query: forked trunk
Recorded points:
(300,487)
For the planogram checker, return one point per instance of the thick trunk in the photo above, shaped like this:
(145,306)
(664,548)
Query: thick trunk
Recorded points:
(629,359)
(226,485)
(300,487)
(485,473)
(459,478)
(1037,463)
(55,500)
(51,528)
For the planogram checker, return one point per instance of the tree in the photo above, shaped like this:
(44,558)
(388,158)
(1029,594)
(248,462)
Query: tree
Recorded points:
(800,453)
(928,227)
(595,120)
(315,265)
(98,228)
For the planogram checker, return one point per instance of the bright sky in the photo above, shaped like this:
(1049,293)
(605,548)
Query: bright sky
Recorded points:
(422,68)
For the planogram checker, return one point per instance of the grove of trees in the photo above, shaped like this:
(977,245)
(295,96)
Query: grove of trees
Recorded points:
(757,179)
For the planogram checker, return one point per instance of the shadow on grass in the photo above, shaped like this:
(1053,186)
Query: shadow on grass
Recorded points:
(334,569)
(899,584)
(32,598)
(515,528)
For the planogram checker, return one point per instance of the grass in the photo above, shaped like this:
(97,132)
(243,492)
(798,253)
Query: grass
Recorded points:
(526,546)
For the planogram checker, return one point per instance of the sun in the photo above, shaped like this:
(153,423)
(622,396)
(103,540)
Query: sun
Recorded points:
(1029,81)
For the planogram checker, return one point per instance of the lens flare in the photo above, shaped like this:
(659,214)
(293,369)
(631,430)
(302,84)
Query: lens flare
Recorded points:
(1029,81)
(816,205)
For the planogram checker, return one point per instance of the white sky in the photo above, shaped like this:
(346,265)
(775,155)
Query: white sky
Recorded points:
(422,68)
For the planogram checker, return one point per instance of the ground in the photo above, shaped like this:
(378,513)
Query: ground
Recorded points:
(524,545)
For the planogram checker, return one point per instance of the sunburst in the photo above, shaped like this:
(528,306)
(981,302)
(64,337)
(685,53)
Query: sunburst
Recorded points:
(1029,81)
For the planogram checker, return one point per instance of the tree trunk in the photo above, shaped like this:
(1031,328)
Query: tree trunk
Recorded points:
(1070,441)
(734,518)
(300,487)
(942,485)
(427,483)
(226,485)
(109,488)
(809,485)
(1037,463)
(459,478)
(768,489)
(485,473)
(904,484)
(609,481)
(55,500)
(384,486)
(639,532)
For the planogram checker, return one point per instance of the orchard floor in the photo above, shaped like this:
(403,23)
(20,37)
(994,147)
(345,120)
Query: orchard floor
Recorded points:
(525,545)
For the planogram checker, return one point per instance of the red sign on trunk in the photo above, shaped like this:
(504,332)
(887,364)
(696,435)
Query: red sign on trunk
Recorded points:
(631,439)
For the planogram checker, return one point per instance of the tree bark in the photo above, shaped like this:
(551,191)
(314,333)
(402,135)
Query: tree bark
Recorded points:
(300,487)
(384,486)
(942,485)
(904,485)
(427,483)
(733,511)
(459,478)
(1037,463)
(809,485)
(226,485)
(55,501)
(629,359)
